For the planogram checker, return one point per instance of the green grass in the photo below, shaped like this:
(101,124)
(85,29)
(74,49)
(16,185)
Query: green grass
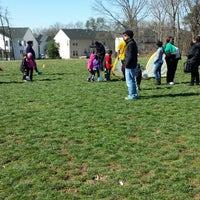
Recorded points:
(64,138)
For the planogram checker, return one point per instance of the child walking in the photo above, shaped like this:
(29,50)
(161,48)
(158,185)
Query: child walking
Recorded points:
(90,68)
(96,67)
(30,64)
(108,65)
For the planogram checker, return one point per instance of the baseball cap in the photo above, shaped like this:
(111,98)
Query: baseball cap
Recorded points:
(129,33)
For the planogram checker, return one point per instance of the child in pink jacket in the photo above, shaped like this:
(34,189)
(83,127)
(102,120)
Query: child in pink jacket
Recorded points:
(90,68)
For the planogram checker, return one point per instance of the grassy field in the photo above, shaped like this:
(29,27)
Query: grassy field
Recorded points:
(62,137)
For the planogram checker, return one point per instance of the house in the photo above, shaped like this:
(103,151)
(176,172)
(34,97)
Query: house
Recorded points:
(75,43)
(13,42)
(42,44)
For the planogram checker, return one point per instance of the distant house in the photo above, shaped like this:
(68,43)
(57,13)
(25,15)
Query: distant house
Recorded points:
(75,43)
(42,44)
(13,42)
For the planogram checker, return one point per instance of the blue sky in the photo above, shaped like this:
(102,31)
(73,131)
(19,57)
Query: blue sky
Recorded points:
(43,13)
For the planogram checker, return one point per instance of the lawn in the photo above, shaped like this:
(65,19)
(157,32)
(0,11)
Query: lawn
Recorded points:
(62,137)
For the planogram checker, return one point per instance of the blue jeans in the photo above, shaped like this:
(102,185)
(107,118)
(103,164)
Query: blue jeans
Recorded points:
(157,71)
(131,83)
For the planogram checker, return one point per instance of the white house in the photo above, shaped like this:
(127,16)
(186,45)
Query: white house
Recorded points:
(74,43)
(13,42)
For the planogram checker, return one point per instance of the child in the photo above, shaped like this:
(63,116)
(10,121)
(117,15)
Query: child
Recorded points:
(138,75)
(90,68)
(30,63)
(23,69)
(108,65)
(96,67)
(158,62)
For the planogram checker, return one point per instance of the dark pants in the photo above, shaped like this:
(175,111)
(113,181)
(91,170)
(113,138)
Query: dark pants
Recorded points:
(101,62)
(30,73)
(195,75)
(107,74)
(171,68)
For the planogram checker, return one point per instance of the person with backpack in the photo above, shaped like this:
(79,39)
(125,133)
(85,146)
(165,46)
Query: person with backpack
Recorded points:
(170,57)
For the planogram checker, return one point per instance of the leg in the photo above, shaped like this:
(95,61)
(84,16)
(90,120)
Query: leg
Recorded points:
(31,74)
(131,83)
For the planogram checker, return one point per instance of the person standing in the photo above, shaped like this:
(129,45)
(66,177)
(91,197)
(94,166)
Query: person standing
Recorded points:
(29,49)
(130,64)
(170,57)
(158,62)
(121,54)
(108,65)
(100,51)
(194,59)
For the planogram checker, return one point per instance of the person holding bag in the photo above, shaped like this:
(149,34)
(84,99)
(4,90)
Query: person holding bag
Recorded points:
(194,59)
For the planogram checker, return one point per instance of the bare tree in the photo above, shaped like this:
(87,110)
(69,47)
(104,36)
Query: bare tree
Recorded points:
(172,9)
(12,55)
(126,13)
(158,8)
(192,17)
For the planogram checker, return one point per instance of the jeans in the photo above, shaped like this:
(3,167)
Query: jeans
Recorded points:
(131,83)
(157,71)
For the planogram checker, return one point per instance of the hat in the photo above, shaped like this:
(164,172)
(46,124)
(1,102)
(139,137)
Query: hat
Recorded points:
(29,55)
(159,43)
(30,42)
(129,33)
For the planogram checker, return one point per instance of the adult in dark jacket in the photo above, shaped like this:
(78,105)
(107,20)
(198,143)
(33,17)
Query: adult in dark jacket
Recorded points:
(100,51)
(194,58)
(29,49)
(130,64)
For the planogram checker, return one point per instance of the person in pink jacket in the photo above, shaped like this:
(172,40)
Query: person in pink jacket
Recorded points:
(90,68)
(30,63)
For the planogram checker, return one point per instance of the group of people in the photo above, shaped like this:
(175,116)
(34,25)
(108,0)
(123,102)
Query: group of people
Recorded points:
(128,54)
(172,56)
(28,63)
(100,61)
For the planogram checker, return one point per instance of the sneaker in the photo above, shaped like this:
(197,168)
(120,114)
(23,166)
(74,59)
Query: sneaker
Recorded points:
(28,78)
(171,83)
(128,98)
(39,73)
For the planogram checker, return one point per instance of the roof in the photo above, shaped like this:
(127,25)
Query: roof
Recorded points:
(86,34)
(43,38)
(79,33)
(15,32)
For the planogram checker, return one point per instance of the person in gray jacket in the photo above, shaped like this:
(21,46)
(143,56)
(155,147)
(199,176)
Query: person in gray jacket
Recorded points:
(130,64)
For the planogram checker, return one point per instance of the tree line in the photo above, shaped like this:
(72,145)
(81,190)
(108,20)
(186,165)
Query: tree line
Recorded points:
(179,18)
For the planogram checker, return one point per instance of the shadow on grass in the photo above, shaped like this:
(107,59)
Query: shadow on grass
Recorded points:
(171,95)
(11,82)
(50,79)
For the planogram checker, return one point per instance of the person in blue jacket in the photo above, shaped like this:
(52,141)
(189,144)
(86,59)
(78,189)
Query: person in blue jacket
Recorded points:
(158,62)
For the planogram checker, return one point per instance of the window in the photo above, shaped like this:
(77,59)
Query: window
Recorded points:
(75,53)
(75,43)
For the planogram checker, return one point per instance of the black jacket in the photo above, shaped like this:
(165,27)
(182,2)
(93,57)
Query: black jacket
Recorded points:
(194,54)
(29,49)
(131,54)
